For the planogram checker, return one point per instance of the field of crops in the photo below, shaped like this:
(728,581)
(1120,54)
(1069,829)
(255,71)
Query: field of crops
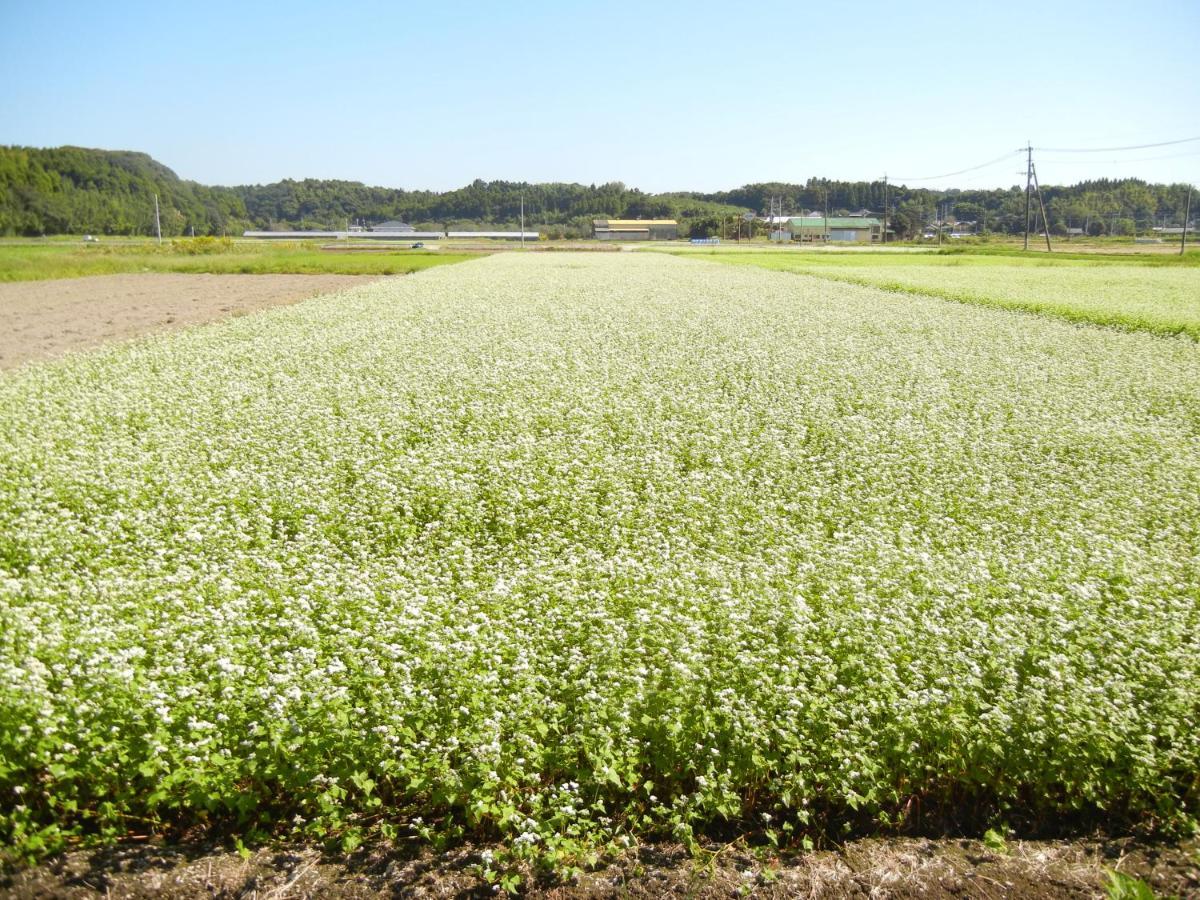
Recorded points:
(568,550)
(31,260)
(1156,294)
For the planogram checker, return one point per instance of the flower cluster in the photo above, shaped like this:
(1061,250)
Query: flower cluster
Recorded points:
(567,548)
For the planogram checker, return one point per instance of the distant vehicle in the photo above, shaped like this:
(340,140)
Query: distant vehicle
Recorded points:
(417,246)
(89,239)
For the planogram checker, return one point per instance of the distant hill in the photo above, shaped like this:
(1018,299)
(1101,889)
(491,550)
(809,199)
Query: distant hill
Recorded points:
(74,190)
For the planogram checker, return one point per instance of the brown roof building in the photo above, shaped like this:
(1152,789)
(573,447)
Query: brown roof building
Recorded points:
(635,229)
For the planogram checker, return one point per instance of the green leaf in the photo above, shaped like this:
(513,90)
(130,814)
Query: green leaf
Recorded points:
(994,841)
(1125,887)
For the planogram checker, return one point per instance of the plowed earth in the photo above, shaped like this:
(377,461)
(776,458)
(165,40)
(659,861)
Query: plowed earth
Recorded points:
(44,319)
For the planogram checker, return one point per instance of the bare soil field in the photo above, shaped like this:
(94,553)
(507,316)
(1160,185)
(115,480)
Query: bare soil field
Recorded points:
(895,867)
(44,319)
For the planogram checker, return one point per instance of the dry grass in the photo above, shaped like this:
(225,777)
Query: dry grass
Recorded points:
(869,868)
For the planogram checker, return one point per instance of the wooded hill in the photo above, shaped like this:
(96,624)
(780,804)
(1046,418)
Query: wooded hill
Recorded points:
(73,190)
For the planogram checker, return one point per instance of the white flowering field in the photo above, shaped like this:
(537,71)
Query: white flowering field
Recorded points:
(1160,295)
(563,550)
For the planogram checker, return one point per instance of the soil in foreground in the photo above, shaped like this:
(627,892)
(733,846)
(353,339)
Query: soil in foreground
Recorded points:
(44,319)
(903,868)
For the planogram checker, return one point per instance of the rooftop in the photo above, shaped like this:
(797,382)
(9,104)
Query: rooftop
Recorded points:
(633,223)
(834,221)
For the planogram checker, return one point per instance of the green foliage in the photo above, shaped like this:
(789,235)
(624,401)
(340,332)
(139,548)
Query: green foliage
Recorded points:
(72,190)
(1125,887)
(202,245)
(994,841)
(568,551)
(37,261)
(1160,295)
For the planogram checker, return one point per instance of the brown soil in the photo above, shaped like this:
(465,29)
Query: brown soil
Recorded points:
(43,319)
(905,868)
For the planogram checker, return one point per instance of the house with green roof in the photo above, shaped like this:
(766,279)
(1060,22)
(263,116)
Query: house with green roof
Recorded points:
(842,229)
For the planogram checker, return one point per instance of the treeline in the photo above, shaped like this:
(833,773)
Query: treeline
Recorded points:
(561,210)
(1099,207)
(71,190)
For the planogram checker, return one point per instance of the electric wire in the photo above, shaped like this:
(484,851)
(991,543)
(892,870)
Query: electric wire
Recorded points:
(993,162)
(898,179)
(1102,162)
(1113,149)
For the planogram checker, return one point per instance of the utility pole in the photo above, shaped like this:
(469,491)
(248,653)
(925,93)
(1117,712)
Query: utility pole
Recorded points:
(157,222)
(826,223)
(1028,183)
(885,207)
(1187,211)
(1042,206)
(522,220)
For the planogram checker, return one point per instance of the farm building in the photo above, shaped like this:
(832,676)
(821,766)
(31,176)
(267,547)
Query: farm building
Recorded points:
(848,229)
(635,229)
(393,226)
(496,235)
(343,235)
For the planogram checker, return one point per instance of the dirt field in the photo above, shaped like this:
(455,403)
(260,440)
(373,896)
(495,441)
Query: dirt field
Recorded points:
(43,319)
(868,868)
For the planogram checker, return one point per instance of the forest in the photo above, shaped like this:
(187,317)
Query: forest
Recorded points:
(74,190)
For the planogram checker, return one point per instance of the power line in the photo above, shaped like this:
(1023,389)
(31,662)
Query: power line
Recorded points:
(1010,154)
(1114,149)
(992,162)
(1105,162)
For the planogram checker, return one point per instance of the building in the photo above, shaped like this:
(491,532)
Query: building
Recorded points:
(393,226)
(843,229)
(344,235)
(635,229)
(496,235)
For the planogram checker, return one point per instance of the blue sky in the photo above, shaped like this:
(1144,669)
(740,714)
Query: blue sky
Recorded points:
(662,96)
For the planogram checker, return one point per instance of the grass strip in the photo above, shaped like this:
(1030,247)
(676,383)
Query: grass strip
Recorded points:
(1159,300)
(37,263)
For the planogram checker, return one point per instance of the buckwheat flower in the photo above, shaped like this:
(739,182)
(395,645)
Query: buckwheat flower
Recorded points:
(562,511)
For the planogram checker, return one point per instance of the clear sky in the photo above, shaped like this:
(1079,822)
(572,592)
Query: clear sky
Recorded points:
(661,95)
